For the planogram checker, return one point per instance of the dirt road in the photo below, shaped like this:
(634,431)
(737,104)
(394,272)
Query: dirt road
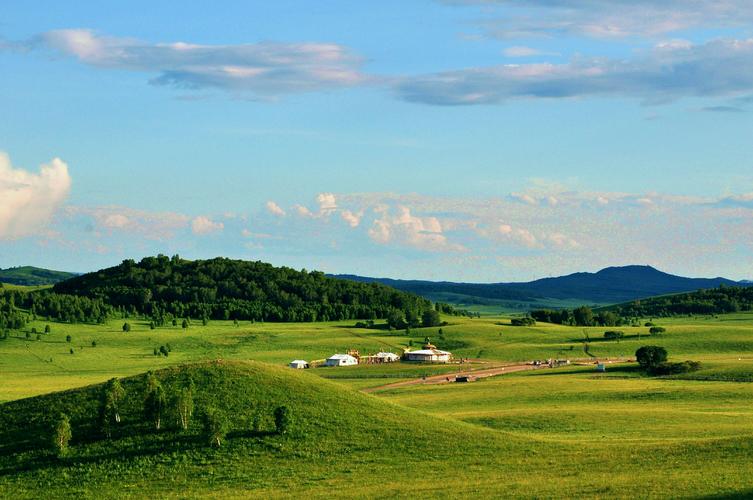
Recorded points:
(477,374)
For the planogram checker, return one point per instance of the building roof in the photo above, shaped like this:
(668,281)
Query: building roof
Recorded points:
(386,355)
(297,361)
(429,352)
(341,356)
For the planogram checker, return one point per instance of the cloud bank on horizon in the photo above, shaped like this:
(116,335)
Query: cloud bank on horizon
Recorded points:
(502,238)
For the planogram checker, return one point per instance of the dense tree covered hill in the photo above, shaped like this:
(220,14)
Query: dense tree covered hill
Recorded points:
(233,289)
(32,276)
(724,299)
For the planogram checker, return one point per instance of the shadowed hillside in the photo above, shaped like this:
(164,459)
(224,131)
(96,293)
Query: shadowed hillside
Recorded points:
(32,276)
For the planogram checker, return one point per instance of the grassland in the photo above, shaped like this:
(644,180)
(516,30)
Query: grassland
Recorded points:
(549,433)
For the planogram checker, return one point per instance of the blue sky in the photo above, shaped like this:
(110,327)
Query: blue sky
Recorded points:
(464,140)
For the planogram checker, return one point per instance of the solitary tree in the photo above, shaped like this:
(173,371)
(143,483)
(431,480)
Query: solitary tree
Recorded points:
(282,419)
(61,435)
(126,327)
(215,426)
(184,406)
(154,403)
(68,338)
(109,411)
(430,318)
(651,356)
(184,324)
(47,329)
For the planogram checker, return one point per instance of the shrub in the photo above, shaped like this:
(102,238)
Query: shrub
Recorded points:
(47,329)
(656,330)
(215,426)
(126,327)
(648,323)
(527,321)
(94,343)
(282,419)
(68,338)
(676,368)
(614,335)
(651,356)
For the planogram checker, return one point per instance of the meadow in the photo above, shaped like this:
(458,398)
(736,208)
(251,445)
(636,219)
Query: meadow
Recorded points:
(549,433)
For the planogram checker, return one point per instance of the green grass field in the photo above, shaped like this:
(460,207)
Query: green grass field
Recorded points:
(549,433)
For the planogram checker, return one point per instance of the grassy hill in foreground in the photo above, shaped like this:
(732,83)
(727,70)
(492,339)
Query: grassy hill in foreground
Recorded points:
(32,276)
(342,444)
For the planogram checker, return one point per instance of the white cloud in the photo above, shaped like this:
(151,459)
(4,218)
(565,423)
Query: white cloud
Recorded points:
(608,18)
(664,73)
(150,225)
(203,225)
(523,51)
(327,203)
(29,200)
(275,209)
(263,69)
(351,218)
(404,228)
(302,211)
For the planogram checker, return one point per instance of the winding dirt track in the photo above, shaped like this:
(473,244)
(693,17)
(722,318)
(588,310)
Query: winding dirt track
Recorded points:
(475,374)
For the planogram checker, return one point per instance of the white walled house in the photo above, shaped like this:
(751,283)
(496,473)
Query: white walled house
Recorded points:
(341,360)
(299,364)
(429,354)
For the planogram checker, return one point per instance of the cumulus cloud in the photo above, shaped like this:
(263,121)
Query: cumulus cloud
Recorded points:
(149,225)
(203,225)
(667,72)
(608,18)
(29,200)
(327,203)
(264,69)
(275,209)
(404,228)
(353,219)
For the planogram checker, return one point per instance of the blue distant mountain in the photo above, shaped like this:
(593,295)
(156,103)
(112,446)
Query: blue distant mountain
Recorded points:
(608,286)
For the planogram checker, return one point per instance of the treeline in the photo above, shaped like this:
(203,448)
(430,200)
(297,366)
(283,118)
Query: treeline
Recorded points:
(725,299)
(580,316)
(163,288)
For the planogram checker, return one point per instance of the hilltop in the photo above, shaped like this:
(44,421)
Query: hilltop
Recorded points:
(222,288)
(609,286)
(33,276)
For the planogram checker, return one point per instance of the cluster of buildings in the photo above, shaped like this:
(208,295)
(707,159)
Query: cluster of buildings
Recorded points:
(428,354)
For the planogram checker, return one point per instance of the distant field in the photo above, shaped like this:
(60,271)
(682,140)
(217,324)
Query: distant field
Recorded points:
(31,367)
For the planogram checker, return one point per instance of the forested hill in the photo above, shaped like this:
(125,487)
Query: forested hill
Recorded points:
(32,276)
(233,289)
(725,299)
(609,286)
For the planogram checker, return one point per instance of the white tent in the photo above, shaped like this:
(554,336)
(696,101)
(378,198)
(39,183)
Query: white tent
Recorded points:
(387,357)
(341,360)
(299,364)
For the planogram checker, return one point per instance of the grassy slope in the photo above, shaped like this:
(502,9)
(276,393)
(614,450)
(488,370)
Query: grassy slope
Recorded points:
(553,433)
(32,276)
(344,444)
(724,345)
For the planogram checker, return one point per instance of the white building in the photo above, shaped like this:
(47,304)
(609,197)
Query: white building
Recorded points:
(299,364)
(429,354)
(386,357)
(341,360)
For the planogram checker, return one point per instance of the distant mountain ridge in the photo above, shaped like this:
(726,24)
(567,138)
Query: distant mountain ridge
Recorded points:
(611,285)
(33,276)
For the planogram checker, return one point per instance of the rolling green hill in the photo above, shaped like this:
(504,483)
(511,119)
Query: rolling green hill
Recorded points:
(32,276)
(234,289)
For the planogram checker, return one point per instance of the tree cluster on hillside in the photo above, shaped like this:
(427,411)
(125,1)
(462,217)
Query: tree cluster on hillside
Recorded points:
(580,316)
(165,288)
(721,300)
